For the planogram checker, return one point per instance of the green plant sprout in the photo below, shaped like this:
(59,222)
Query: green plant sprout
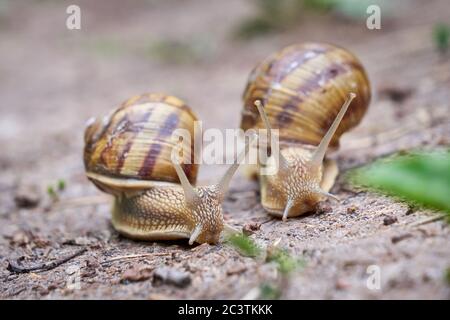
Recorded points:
(441,36)
(244,245)
(53,190)
(269,292)
(61,184)
(284,262)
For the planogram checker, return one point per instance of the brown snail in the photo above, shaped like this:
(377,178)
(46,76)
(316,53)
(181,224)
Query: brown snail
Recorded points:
(304,91)
(129,155)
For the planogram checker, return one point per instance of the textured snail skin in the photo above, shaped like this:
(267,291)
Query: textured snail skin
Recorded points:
(160,213)
(128,154)
(275,189)
(303,88)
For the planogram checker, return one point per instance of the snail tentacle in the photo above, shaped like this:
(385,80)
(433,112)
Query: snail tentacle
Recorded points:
(321,150)
(288,207)
(195,233)
(190,195)
(283,163)
(224,182)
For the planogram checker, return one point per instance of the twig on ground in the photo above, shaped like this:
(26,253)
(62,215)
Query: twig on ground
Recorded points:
(427,220)
(134,256)
(267,221)
(14,267)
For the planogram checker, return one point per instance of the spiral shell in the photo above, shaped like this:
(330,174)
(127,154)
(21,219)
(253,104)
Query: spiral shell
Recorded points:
(303,88)
(132,146)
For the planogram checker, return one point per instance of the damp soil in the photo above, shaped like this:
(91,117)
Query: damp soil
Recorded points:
(56,241)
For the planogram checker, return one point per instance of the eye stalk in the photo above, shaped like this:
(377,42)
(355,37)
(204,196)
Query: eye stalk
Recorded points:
(321,150)
(208,206)
(283,163)
(191,197)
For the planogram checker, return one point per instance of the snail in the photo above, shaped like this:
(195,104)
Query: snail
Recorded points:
(304,91)
(129,155)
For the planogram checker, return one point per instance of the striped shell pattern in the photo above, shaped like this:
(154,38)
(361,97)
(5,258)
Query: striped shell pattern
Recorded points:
(134,143)
(303,88)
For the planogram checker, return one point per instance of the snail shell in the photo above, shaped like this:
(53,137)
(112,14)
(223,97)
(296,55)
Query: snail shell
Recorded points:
(131,148)
(303,87)
(128,154)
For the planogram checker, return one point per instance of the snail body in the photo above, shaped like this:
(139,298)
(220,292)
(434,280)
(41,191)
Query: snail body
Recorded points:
(304,91)
(129,154)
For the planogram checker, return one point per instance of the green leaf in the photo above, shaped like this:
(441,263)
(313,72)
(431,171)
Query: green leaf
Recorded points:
(419,178)
(447,276)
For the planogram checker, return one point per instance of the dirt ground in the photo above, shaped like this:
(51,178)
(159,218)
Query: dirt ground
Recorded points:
(53,79)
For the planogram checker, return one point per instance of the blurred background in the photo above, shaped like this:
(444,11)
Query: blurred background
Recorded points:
(53,79)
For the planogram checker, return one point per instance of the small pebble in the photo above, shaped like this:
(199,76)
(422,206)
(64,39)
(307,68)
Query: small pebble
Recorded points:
(396,94)
(171,276)
(388,220)
(251,228)
(352,209)
(21,238)
(341,284)
(410,210)
(323,208)
(237,269)
(136,274)
(26,197)
(397,239)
